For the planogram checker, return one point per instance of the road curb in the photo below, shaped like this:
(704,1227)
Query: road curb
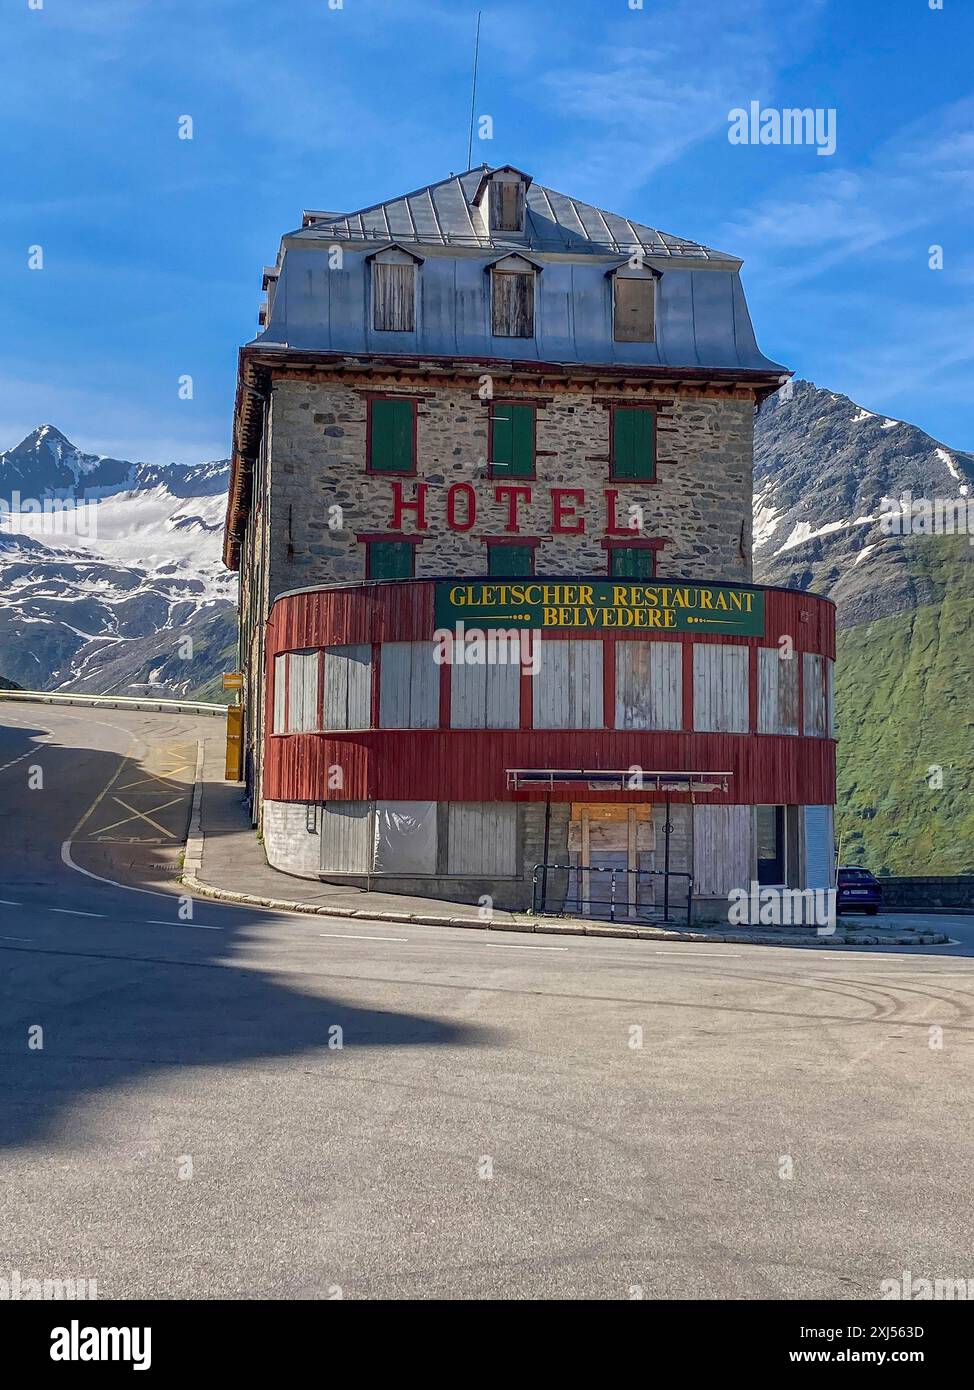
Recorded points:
(553,927)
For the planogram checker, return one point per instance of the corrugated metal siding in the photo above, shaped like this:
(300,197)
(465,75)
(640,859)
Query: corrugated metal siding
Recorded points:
(409,686)
(721,849)
(777,692)
(649,685)
(346,838)
(720,688)
(485,697)
(815,700)
(348,688)
(471,765)
(482,840)
(819,850)
(568,689)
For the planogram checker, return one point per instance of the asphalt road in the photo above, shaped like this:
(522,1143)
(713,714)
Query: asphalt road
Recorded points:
(504,1118)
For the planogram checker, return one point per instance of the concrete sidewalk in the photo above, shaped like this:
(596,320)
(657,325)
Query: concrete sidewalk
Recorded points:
(225,860)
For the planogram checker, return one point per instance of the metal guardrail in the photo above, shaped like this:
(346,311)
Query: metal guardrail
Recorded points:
(613,903)
(49,697)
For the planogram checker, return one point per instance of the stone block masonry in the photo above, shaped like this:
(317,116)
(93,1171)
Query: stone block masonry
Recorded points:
(699,505)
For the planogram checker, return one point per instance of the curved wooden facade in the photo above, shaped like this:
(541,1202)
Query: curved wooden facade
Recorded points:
(445,764)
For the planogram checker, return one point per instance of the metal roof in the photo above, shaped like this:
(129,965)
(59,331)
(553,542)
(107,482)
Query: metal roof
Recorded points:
(446,214)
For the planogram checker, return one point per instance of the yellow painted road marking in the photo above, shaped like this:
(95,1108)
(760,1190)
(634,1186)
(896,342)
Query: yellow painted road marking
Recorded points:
(105,789)
(142,815)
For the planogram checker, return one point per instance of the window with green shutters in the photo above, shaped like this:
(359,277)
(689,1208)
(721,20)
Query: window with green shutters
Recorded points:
(633,443)
(391,436)
(632,562)
(389,560)
(512,440)
(510,560)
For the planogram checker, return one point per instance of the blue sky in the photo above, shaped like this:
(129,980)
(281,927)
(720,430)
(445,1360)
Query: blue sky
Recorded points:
(153,245)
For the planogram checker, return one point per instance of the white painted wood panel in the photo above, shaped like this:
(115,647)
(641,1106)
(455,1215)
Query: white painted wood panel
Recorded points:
(721,849)
(482,839)
(347,688)
(777,692)
(816,714)
(568,687)
(346,837)
(649,685)
(409,686)
(280,692)
(485,697)
(302,692)
(720,689)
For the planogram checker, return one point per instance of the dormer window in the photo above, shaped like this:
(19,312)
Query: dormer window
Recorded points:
(502,199)
(512,297)
(393,273)
(634,304)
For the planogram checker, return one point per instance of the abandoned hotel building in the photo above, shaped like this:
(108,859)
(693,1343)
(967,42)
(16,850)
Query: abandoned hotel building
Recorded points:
(487,408)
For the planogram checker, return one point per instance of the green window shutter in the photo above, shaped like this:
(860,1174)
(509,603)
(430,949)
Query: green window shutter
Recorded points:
(510,560)
(392,437)
(390,560)
(633,443)
(631,562)
(512,447)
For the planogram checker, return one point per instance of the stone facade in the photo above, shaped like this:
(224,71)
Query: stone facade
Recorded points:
(320,496)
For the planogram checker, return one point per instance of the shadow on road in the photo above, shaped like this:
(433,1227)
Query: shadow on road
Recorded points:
(121,995)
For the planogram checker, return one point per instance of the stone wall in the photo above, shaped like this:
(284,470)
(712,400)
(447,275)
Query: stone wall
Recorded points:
(929,894)
(701,504)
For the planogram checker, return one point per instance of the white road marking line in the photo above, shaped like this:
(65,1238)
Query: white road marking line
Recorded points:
(351,936)
(516,946)
(73,912)
(200,926)
(7,903)
(16,938)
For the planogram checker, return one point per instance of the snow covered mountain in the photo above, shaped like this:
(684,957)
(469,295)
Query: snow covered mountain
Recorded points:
(822,465)
(110,572)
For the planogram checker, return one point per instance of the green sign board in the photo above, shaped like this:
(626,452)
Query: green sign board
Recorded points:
(607,605)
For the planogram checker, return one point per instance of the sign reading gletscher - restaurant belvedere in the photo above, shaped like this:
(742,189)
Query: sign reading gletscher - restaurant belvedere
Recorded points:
(605,604)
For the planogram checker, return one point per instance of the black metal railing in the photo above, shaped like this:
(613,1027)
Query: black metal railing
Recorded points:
(612,902)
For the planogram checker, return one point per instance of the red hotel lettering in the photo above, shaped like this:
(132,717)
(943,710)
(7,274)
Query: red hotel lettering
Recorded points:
(612,527)
(451,508)
(513,496)
(401,505)
(560,512)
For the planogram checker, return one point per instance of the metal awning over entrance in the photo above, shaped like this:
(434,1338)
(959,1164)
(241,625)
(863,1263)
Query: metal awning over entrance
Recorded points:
(619,780)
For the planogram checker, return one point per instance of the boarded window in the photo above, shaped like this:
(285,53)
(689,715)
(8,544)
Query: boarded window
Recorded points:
(512,431)
(392,436)
(393,297)
(302,692)
(512,304)
(389,559)
(720,689)
(346,839)
(816,719)
(280,693)
(819,848)
(777,692)
(485,696)
(482,839)
(348,688)
(506,205)
(409,686)
(632,562)
(721,849)
(510,560)
(649,685)
(633,443)
(405,837)
(634,310)
(568,687)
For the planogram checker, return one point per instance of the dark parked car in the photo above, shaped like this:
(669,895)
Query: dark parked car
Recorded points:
(858,891)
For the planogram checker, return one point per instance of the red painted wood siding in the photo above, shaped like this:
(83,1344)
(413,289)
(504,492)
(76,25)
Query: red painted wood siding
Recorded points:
(470,765)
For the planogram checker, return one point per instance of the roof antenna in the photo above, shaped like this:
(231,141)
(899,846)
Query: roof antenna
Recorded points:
(473,94)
